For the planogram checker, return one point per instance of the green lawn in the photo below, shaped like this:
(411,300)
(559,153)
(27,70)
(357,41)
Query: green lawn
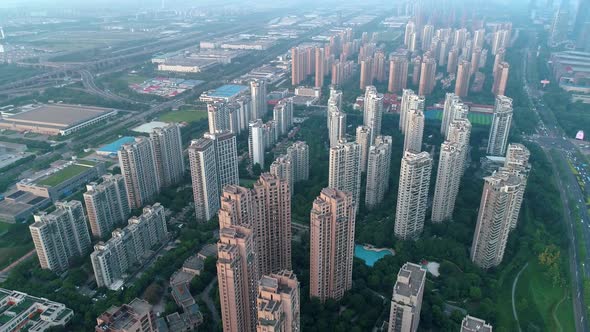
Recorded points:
(15,241)
(474,118)
(537,298)
(183,116)
(63,175)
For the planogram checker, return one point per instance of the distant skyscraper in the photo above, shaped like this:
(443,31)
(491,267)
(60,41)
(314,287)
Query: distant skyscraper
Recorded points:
(168,154)
(299,155)
(412,195)
(498,59)
(406,301)
(559,26)
(335,98)
(60,236)
(499,206)
(473,324)
(500,40)
(278,303)
(398,74)
(500,128)
(379,66)
(416,66)
(337,126)
(450,100)
(475,58)
(427,76)
(363,139)
(427,35)
(331,244)
(214,164)
(218,116)
(256,142)
(453,61)
(138,166)
(501,79)
(366,73)
(373,111)
(106,204)
(463,73)
(379,161)
(345,169)
(237,274)
(283,115)
(244,104)
(479,38)
(414,131)
(448,178)
(258,95)
(320,62)
(410,29)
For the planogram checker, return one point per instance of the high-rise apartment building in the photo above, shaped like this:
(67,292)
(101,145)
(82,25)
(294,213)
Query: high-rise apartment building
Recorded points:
(379,161)
(363,139)
(497,210)
(60,236)
(459,133)
(414,130)
(258,95)
(410,101)
(320,66)
(331,244)
(237,274)
(517,163)
(416,66)
(336,126)
(137,316)
(475,59)
(278,303)
(167,143)
(498,59)
(427,76)
(366,78)
(448,116)
(559,27)
(373,111)
(448,178)
(282,168)
(406,301)
(213,164)
(410,29)
(139,169)
(463,75)
(345,169)
(272,201)
(244,106)
(500,128)
(412,197)
(453,60)
(299,155)
(335,98)
(398,74)
(501,79)
(379,66)
(106,204)
(474,324)
(283,116)
(479,38)
(427,35)
(218,117)
(500,40)
(256,142)
(128,246)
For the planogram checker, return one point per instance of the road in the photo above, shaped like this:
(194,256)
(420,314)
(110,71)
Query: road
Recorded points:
(209,302)
(550,136)
(514,313)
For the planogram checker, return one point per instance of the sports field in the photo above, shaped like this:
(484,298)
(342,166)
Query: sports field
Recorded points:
(475,118)
(183,116)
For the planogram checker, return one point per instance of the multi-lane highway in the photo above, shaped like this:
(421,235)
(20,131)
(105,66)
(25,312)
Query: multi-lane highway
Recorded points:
(551,137)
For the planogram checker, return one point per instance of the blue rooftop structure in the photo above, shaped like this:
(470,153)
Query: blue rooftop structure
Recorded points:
(228,90)
(112,148)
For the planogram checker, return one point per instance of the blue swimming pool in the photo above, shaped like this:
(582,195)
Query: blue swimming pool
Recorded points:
(369,256)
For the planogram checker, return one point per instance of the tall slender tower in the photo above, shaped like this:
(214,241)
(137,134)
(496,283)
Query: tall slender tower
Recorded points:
(410,101)
(501,79)
(499,206)
(517,163)
(337,126)
(373,111)
(363,139)
(406,301)
(500,128)
(366,73)
(378,171)
(218,117)
(282,168)
(398,74)
(237,273)
(447,181)
(167,143)
(106,204)
(412,194)
(463,74)
(414,131)
(139,169)
(256,142)
(331,244)
(320,62)
(460,132)
(345,169)
(283,115)
(427,76)
(258,95)
(450,100)
(379,66)
(299,155)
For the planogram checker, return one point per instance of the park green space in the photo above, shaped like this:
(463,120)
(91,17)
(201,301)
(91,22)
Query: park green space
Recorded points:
(183,116)
(15,241)
(62,175)
(475,118)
